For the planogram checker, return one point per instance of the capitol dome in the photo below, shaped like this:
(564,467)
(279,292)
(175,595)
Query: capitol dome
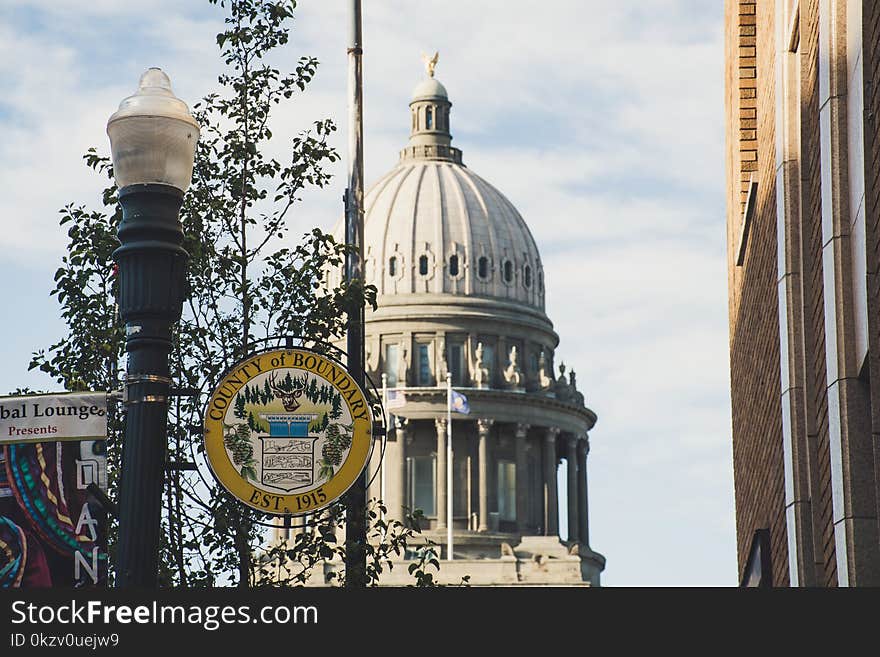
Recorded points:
(461,305)
(433,226)
(437,235)
(430,88)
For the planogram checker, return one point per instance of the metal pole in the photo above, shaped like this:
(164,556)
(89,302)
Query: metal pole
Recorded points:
(152,270)
(387,429)
(356,497)
(449,466)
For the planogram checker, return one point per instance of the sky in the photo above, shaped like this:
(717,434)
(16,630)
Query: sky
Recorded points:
(602,123)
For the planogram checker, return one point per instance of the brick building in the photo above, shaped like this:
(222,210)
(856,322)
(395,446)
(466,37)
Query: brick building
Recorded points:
(804,294)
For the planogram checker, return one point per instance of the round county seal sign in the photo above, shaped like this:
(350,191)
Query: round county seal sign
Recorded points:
(287,431)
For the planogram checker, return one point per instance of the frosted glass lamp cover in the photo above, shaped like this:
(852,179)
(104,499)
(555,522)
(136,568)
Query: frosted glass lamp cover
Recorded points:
(153,136)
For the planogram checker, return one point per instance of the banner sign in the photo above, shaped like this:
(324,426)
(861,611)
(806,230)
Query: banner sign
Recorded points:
(288,431)
(57,416)
(53,532)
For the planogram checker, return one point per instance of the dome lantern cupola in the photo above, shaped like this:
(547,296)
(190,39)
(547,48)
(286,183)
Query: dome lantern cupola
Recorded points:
(430,137)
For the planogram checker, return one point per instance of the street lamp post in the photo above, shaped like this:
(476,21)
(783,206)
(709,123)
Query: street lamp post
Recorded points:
(152,140)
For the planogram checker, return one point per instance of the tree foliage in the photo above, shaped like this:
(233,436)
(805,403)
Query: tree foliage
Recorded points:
(246,282)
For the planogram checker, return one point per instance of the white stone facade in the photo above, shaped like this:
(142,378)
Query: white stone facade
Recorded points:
(461,291)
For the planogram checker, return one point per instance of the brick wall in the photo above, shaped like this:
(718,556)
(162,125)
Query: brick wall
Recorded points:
(754,331)
(871,54)
(755,376)
(742,125)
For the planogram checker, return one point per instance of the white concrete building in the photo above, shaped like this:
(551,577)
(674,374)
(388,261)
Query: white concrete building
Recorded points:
(461,290)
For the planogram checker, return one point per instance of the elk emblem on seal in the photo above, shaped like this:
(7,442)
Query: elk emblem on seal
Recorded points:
(288,398)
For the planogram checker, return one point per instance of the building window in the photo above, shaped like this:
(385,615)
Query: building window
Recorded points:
(527,276)
(456,364)
(506,490)
(424,356)
(423,265)
(508,271)
(392,266)
(429,119)
(392,352)
(759,570)
(747,219)
(489,359)
(422,472)
(453,265)
(541,282)
(483,267)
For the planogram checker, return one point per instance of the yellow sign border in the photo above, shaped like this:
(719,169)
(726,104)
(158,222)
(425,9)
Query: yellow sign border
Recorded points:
(295,503)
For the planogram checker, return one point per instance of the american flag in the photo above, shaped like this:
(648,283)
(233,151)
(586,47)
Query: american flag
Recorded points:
(396,399)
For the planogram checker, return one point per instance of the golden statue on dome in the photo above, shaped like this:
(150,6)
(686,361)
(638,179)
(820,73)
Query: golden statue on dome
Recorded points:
(430,63)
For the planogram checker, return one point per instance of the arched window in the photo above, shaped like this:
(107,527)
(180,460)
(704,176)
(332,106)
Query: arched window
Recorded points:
(483,267)
(453,265)
(392,266)
(527,276)
(423,265)
(541,282)
(508,271)
(429,119)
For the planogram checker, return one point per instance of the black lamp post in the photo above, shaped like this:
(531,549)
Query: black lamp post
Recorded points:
(152,140)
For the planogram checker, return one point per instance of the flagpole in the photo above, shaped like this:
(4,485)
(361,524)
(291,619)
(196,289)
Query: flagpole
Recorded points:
(449,466)
(387,430)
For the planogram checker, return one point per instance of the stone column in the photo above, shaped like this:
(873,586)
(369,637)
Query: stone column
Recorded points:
(573,499)
(583,507)
(483,427)
(551,500)
(522,478)
(395,471)
(440,424)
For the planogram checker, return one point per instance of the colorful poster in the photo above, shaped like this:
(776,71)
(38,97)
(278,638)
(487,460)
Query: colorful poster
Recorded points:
(52,529)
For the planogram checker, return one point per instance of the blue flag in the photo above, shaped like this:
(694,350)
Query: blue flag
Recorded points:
(460,403)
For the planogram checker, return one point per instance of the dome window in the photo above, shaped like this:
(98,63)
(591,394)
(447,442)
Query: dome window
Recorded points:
(392,266)
(527,276)
(508,271)
(423,265)
(541,282)
(483,267)
(453,265)
(429,119)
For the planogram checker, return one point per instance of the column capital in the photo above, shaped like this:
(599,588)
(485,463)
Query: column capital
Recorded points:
(572,440)
(522,429)
(440,425)
(484,424)
(552,433)
(584,444)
